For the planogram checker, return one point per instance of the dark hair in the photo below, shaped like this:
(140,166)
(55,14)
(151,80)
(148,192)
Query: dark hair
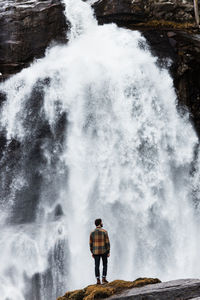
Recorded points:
(97,222)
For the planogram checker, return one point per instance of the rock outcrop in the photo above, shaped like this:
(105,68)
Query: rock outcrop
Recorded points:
(27,27)
(92,292)
(172,13)
(140,289)
(184,289)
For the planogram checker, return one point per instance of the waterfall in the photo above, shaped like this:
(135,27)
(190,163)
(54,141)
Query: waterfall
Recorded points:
(92,130)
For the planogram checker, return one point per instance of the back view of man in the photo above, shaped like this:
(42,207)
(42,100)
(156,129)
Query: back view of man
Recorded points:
(100,248)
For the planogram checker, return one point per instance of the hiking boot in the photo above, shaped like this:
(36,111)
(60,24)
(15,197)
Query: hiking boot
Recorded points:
(104,280)
(98,281)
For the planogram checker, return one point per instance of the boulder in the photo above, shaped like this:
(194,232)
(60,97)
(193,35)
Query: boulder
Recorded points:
(182,289)
(97,291)
(140,289)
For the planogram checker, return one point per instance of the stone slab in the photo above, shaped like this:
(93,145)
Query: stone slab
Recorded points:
(182,289)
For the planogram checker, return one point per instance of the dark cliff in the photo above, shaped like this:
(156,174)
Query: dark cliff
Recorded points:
(27,28)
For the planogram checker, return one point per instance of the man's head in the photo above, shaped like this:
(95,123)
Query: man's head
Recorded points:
(98,222)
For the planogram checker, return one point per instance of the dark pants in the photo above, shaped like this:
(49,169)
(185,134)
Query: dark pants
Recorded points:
(97,263)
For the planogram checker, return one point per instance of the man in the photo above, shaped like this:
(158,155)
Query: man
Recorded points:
(100,248)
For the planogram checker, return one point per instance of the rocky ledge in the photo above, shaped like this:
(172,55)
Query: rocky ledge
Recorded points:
(140,289)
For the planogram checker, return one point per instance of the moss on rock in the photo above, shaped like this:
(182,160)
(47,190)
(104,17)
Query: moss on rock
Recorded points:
(166,24)
(93,292)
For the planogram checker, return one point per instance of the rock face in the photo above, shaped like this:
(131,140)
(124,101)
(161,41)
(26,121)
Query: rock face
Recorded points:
(172,290)
(146,12)
(26,29)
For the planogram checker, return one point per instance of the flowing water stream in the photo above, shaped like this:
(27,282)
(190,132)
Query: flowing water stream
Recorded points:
(92,130)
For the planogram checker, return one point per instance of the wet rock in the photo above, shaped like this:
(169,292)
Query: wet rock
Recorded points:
(177,289)
(120,12)
(26,29)
(171,13)
(171,34)
(58,211)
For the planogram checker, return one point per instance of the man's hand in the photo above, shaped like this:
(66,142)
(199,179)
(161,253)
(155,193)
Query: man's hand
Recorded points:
(92,255)
(108,254)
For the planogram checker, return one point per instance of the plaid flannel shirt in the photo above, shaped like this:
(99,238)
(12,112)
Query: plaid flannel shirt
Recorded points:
(99,241)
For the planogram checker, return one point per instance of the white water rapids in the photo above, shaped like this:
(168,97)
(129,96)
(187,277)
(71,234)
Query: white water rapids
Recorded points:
(111,145)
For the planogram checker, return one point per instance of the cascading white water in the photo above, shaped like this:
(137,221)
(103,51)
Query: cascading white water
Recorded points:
(122,153)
